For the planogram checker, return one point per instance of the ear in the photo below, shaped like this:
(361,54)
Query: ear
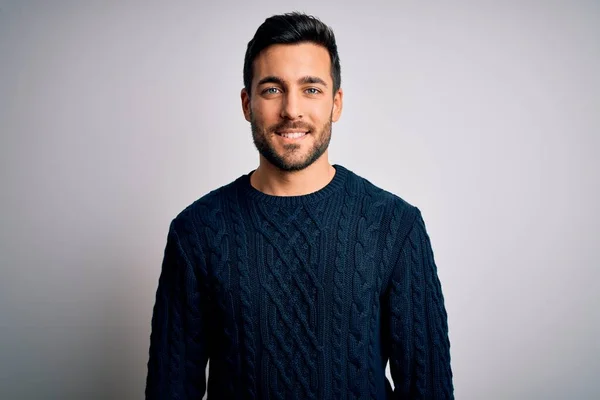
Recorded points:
(337,105)
(245,104)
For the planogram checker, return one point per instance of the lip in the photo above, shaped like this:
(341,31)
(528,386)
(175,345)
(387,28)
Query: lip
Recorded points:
(306,133)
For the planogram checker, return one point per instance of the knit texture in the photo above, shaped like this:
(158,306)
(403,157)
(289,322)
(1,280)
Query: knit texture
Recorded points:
(301,297)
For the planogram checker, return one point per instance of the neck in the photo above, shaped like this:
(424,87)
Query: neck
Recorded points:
(272,181)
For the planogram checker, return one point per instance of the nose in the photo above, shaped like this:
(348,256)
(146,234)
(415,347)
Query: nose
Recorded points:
(290,109)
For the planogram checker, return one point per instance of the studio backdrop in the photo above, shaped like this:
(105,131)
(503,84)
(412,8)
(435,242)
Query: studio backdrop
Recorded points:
(115,115)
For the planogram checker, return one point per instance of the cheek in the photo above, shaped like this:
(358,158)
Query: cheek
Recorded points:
(321,113)
(264,111)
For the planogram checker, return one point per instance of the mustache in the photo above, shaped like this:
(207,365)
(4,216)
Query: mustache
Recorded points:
(291,125)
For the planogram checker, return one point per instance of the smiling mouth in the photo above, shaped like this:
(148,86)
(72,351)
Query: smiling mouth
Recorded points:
(293,135)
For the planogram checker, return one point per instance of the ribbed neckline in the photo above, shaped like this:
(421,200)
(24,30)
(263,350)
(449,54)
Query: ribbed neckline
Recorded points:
(334,185)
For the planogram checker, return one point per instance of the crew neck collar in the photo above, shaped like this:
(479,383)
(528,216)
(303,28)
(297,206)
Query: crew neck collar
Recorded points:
(334,185)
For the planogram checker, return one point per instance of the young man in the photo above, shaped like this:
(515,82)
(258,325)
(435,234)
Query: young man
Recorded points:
(300,279)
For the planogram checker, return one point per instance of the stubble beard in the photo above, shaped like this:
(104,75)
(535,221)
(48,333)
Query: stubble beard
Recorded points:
(286,161)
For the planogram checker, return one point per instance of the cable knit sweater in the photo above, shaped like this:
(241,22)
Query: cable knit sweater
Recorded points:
(302,297)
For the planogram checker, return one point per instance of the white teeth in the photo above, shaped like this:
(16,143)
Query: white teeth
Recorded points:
(293,135)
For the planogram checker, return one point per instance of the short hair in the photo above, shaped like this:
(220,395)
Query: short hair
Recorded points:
(291,28)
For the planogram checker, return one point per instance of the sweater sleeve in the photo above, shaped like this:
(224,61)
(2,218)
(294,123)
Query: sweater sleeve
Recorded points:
(417,322)
(178,355)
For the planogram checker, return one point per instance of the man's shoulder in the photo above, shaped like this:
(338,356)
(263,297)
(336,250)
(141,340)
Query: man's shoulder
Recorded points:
(377,195)
(388,209)
(206,208)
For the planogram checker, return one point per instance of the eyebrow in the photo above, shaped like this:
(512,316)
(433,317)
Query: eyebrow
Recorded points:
(302,81)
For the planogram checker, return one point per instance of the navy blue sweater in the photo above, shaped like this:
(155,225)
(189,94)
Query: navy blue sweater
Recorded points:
(302,297)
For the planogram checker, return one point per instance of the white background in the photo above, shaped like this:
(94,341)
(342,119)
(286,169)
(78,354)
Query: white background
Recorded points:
(114,116)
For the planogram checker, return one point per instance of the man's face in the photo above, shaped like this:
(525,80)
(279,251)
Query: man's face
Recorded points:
(292,104)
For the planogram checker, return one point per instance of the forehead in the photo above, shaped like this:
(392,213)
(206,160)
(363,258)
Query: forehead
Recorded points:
(293,61)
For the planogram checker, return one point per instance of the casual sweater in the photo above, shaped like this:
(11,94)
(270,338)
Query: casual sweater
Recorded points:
(300,297)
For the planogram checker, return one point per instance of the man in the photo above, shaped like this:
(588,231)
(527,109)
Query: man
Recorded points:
(299,279)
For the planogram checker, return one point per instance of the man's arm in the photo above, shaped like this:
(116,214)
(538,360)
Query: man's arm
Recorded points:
(178,350)
(417,322)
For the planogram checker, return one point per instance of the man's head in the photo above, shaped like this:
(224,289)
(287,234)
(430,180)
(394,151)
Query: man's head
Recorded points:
(292,91)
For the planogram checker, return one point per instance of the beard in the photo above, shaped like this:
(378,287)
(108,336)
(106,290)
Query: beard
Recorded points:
(287,161)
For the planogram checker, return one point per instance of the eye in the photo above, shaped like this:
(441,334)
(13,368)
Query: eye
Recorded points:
(270,90)
(313,90)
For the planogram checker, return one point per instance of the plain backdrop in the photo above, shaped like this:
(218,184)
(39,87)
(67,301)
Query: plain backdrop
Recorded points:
(115,115)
